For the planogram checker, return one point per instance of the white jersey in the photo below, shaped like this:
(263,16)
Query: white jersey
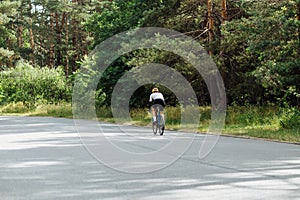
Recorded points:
(156,95)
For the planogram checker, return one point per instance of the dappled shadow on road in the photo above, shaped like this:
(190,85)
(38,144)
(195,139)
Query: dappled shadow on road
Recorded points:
(47,161)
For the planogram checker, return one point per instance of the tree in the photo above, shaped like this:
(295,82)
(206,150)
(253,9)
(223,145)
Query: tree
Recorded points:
(268,48)
(115,17)
(210,22)
(8,13)
(47,33)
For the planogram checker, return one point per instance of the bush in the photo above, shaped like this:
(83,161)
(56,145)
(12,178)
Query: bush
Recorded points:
(173,115)
(103,112)
(290,118)
(30,85)
(2,97)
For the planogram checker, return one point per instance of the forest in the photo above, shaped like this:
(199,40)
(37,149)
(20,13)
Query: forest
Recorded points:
(255,45)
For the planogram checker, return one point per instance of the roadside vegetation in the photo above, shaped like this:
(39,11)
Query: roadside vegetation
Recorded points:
(255,45)
(266,122)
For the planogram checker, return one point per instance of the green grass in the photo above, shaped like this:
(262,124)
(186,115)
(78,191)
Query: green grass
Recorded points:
(264,132)
(15,108)
(47,110)
(267,122)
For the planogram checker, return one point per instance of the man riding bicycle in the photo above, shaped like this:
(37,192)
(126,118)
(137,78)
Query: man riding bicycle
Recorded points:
(156,99)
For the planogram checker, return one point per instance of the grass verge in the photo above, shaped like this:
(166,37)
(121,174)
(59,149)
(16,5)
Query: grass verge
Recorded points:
(267,122)
(45,110)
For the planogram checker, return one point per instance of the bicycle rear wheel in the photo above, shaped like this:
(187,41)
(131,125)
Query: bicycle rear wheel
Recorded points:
(160,123)
(162,129)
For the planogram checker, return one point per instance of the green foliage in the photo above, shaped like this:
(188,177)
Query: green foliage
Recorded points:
(290,118)
(256,50)
(118,16)
(100,98)
(271,122)
(273,117)
(59,110)
(140,57)
(172,115)
(1,94)
(103,112)
(115,17)
(84,81)
(31,85)
(141,115)
(45,32)
(8,12)
(250,115)
(264,47)
(62,109)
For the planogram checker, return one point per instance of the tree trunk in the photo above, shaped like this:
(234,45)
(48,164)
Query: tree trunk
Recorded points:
(20,36)
(210,23)
(223,19)
(298,17)
(51,50)
(32,44)
(31,36)
(75,41)
(58,32)
(224,11)
(67,45)
(9,60)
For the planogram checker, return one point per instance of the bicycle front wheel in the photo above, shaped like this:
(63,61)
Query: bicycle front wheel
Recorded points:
(161,127)
(154,127)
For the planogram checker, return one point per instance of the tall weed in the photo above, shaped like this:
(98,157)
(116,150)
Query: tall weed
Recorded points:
(251,115)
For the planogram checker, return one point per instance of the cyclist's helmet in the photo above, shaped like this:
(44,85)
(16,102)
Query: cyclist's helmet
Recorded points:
(155,90)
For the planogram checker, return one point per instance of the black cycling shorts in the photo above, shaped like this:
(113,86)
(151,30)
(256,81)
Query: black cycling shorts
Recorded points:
(158,102)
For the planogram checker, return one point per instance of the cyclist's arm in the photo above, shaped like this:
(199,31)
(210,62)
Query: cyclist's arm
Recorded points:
(164,101)
(150,101)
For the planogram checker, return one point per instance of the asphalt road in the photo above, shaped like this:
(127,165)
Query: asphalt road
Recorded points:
(49,158)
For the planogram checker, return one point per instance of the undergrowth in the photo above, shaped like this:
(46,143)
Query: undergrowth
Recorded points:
(275,123)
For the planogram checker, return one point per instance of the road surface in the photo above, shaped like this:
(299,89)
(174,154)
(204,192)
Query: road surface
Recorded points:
(44,158)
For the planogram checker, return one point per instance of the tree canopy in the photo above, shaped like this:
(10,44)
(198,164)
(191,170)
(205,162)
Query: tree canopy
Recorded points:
(255,44)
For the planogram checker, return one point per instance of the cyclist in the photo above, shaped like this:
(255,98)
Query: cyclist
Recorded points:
(156,99)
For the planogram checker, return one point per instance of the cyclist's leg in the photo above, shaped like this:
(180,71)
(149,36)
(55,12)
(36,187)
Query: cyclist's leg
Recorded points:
(153,109)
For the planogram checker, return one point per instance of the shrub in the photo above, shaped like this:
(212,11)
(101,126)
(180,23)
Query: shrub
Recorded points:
(30,85)
(290,118)
(2,97)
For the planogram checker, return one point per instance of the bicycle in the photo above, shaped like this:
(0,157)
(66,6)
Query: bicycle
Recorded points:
(159,125)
